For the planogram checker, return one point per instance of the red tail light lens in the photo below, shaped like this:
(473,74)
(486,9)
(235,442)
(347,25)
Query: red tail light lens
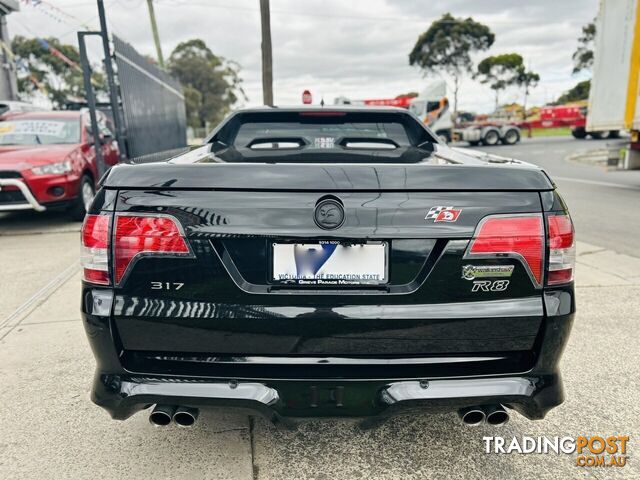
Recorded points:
(562,250)
(145,235)
(95,241)
(520,235)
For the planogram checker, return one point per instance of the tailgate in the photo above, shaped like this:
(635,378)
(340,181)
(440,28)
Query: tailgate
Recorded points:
(223,301)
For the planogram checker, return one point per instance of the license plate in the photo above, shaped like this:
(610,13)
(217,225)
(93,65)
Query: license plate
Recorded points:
(330,263)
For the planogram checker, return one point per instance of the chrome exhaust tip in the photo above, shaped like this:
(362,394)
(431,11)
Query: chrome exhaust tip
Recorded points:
(471,416)
(496,415)
(185,416)
(161,415)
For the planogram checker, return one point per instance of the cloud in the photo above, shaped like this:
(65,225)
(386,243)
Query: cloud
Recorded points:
(358,49)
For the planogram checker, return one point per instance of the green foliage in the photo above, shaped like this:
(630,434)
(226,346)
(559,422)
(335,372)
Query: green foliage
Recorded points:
(49,73)
(447,45)
(211,83)
(526,78)
(583,56)
(500,71)
(579,92)
(506,70)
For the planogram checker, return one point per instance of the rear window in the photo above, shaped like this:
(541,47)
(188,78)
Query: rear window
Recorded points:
(327,130)
(322,135)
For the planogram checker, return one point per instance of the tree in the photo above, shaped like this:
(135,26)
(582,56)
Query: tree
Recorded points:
(526,79)
(211,83)
(499,72)
(579,92)
(41,68)
(447,45)
(583,56)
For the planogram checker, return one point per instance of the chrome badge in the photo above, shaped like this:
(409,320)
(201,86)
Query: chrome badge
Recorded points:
(329,214)
(471,272)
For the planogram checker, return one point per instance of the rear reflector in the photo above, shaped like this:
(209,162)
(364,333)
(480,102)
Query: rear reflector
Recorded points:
(93,255)
(562,250)
(137,235)
(521,236)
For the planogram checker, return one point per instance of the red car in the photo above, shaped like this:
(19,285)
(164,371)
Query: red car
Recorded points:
(48,160)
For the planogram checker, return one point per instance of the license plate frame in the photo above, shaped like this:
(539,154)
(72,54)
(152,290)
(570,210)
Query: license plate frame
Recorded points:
(377,248)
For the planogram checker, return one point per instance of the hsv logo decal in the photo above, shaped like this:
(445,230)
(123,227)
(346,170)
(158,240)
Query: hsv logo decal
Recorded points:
(443,214)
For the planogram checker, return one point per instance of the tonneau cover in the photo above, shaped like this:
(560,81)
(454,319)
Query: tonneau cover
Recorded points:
(329,177)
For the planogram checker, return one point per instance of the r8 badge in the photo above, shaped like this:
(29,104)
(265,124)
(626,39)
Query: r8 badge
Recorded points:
(489,286)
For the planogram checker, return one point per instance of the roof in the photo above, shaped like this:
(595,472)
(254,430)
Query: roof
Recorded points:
(326,108)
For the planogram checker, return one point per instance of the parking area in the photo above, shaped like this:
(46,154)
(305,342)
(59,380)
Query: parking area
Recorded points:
(50,429)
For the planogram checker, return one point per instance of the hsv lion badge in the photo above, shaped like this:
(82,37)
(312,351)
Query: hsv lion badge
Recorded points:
(443,214)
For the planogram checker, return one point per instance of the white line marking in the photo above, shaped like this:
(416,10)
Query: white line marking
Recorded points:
(596,182)
(38,298)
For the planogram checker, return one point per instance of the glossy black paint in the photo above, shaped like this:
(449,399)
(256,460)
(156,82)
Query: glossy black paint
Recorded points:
(233,337)
(443,170)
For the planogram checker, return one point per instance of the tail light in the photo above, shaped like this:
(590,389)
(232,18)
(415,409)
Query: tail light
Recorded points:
(134,236)
(94,253)
(520,236)
(562,250)
(142,235)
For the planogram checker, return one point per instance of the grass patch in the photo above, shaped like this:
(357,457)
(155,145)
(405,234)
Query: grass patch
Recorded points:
(550,132)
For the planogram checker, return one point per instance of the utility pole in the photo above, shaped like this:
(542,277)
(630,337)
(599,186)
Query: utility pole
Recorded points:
(267,59)
(156,36)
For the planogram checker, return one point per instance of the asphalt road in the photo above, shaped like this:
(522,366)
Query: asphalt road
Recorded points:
(604,204)
(50,429)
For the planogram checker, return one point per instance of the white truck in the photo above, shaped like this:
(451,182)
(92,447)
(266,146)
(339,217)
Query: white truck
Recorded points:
(613,98)
(432,106)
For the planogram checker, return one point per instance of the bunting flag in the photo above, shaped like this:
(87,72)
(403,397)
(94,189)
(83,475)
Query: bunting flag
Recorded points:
(55,12)
(57,53)
(38,85)
(7,50)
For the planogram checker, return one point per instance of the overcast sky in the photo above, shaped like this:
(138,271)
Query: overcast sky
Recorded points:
(356,48)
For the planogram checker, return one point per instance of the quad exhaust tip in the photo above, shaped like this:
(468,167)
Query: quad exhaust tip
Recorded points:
(494,415)
(185,416)
(472,416)
(161,415)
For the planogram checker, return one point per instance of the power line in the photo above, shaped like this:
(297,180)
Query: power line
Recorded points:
(347,16)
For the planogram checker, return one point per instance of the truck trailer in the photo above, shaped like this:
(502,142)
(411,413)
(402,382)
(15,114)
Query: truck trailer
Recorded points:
(613,98)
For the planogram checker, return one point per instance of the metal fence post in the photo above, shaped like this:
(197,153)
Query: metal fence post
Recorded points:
(113,93)
(91,101)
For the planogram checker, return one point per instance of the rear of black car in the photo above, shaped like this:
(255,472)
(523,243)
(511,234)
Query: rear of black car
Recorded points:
(328,264)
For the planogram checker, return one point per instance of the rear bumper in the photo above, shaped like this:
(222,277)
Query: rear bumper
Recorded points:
(282,396)
(285,401)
